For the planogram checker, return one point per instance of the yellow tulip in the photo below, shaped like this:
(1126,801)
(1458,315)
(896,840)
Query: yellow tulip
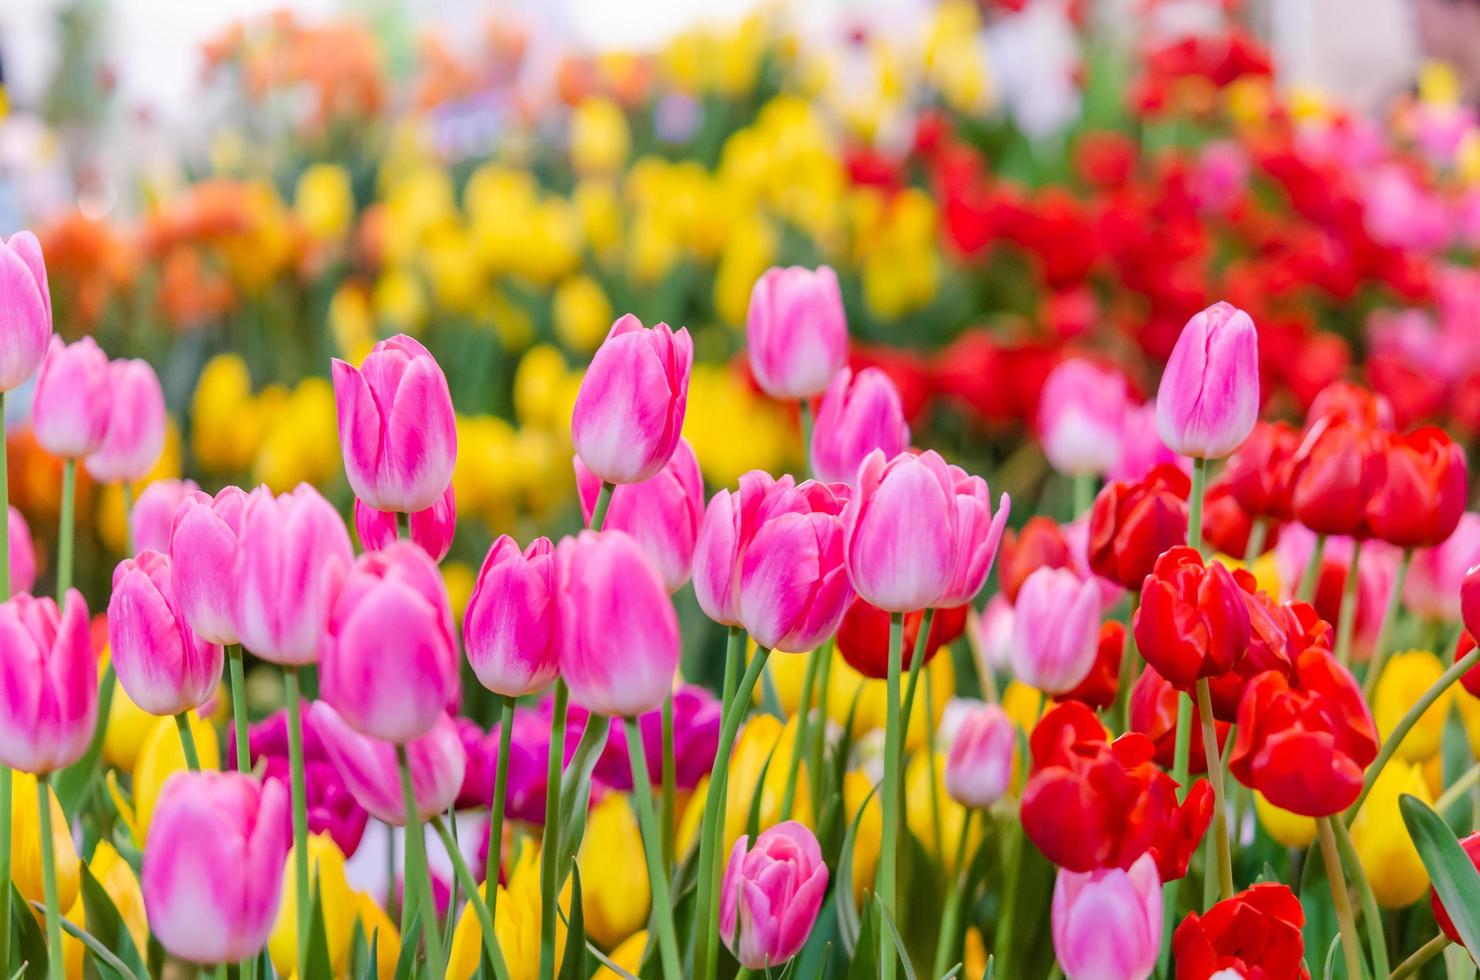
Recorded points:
(538,381)
(734,430)
(628,956)
(25,843)
(1405,677)
(583,314)
(351,322)
(324,201)
(1381,839)
(516,922)
(160,757)
(380,934)
(301,444)
(224,430)
(1287,829)
(975,959)
(600,211)
(615,896)
(128,725)
(599,137)
(748,251)
(452,269)
(72,949)
(870,832)
(340,910)
(920,812)
(763,737)
(121,885)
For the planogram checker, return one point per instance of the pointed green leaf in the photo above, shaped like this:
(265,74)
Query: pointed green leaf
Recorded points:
(410,941)
(1452,874)
(1329,971)
(109,965)
(848,922)
(864,959)
(105,922)
(573,964)
(27,944)
(892,932)
(317,964)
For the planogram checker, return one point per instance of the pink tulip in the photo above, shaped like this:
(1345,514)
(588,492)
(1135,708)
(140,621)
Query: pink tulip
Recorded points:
(69,412)
(994,633)
(370,771)
(213,865)
(1141,447)
(661,513)
(771,895)
(1209,396)
(48,683)
(901,531)
(979,766)
(204,554)
(432,528)
(294,553)
(389,663)
(1435,577)
(136,424)
(629,410)
(509,625)
(616,631)
(978,532)
(1055,630)
(154,513)
(1107,923)
(859,413)
(25,309)
(396,426)
(1081,413)
(796,331)
(163,666)
(22,553)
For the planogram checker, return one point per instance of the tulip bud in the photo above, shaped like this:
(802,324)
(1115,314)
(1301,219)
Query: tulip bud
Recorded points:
(22,553)
(661,513)
(294,553)
(335,901)
(154,513)
(1259,474)
(162,665)
(859,413)
(25,309)
(796,331)
(1081,417)
(69,411)
(136,424)
(389,661)
(629,411)
(396,426)
(900,530)
(617,901)
(1423,490)
(978,532)
(213,865)
(1387,854)
(771,895)
(979,766)
(204,552)
(509,625)
(1192,621)
(49,681)
(1132,524)
(1337,471)
(1107,923)
(1209,396)
(432,529)
(1055,630)
(370,771)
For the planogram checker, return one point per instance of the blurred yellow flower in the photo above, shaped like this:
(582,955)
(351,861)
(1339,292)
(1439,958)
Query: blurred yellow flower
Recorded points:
(25,843)
(326,879)
(225,429)
(399,300)
(920,813)
(516,921)
(380,934)
(1381,839)
(583,314)
(1405,678)
(452,270)
(459,577)
(628,956)
(748,251)
(599,137)
(301,441)
(733,429)
(762,739)
(538,383)
(324,201)
(615,896)
(160,757)
(1288,829)
(351,322)
(870,832)
(128,727)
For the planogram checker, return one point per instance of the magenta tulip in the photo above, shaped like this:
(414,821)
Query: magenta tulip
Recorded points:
(1081,415)
(771,895)
(859,413)
(1107,923)
(22,553)
(213,865)
(369,769)
(978,532)
(204,554)
(432,528)
(154,513)
(509,625)
(1055,630)
(629,411)
(901,531)
(48,682)
(136,424)
(25,309)
(69,412)
(396,426)
(661,513)
(294,553)
(1208,401)
(164,667)
(616,630)
(389,661)
(796,331)
(979,766)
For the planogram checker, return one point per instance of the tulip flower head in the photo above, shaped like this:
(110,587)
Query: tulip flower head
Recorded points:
(771,895)
(1255,933)
(1132,524)
(1107,923)
(25,309)
(1423,489)
(978,532)
(1259,472)
(979,766)
(370,771)
(161,663)
(22,553)
(859,413)
(863,636)
(661,513)
(1337,473)
(49,677)
(509,625)
(1081,417)
(1209,396)
(796,331)
(1436,577)
(136,424)
(70,409)
(204,552)
(900,530)
(431,529)
(1192,621)
(1056,630)
(1041,543)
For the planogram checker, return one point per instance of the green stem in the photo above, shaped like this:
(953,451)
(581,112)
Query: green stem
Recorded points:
(945,942)
(55,969)
(1195,503)
(550,840)
(1457,790)
(652,844)
(1012,871)
(128,516)
(1424,953)
(711,826)
(65,532)
(603,501)
(1340,900)
(239,708)
(889,844)
(799,743)
(300,815)
(1084,493)
(1258,532)
(481,909)
(500,792)
(930,760)
(804,409)
(1312,573)
(187,741)
(1181,751)
(403,526)
(417,873)
(917,663)
(1346,620)
(1215,776)
(1371,916)
(1389,615)
(670,783)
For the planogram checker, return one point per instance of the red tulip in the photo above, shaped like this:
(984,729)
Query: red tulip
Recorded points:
(1277,636)
(1192,621)
(1226,526)
(1133,523)
(1423,490)
(1471,845)
(1153,713)
(1337,471)
(863,636)
(1099,687)
(1040,544)
(1255,934)
(1258,474)
(1470,679)
(1347,401)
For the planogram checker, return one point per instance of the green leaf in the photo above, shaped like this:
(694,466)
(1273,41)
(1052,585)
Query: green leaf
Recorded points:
(608,962)
(108,963)
(1450,870)
(105,922)
(410,940)
(753,818)
(27,945)
(864,964)
(575,792)
(991,969)
(73,784)
(1329,971)
(893,933)
(849,925)
(317,965)
(573,964)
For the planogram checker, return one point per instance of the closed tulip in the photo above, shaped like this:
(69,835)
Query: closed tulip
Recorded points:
(1336,473)
(1131,524)
(796,331)
(69,412)
(1055,630)
(859,413)
(136,424)
(617,632)
(1423,490)
(396,426)
(1260,471)
(204,551)
(25,309)
(389,661)
(154,513)
(1387,853)
(162,664)
(1256,933)
(661,513)
(1192,621)
(213,865)
(335,901)
(26,871)
(22,553)
(368,765)
(630,408)
(1107,923)
(49,680)
(978,532)
(294,553)
(1209,396)
(979,766)
(771,895)
(615,895)
(432,529)
(900,531)
(1040,543)
(1081,417)
(509,625)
